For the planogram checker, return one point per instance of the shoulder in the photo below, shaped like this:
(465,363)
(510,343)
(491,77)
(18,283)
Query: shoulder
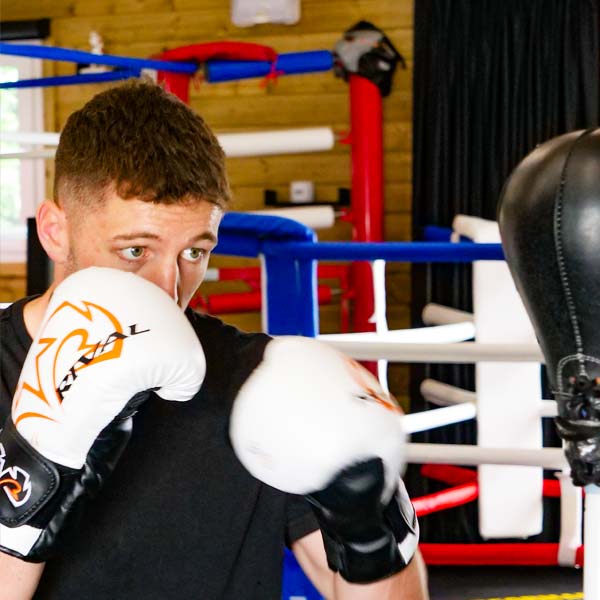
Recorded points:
(14,345)
(231,354)
(13,312)
(213,332)
(8,311)
(12,324)
(207,324)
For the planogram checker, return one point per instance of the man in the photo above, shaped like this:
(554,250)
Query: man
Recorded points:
(140,186)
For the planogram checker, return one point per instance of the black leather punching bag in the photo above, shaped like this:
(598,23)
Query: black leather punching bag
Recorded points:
(549,217)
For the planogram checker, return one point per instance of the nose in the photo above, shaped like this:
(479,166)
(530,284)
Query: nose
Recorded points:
(166,276)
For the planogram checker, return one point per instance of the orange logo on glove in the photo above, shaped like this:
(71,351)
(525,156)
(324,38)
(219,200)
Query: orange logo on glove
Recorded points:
(97,333)
(14,481)
(371,387)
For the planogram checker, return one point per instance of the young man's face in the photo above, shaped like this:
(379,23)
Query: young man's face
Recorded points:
(168,245)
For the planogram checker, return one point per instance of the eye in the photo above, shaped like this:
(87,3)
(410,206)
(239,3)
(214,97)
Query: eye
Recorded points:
(193,254)
(132,253)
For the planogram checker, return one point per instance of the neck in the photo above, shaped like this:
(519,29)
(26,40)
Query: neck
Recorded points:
(34,310)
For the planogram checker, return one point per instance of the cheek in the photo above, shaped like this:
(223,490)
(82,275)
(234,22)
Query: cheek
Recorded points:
(190,278)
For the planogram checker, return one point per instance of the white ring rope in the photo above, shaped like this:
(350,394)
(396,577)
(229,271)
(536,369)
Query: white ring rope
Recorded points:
(246,144)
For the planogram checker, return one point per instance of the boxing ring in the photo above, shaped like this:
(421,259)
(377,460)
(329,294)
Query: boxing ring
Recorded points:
(289,253)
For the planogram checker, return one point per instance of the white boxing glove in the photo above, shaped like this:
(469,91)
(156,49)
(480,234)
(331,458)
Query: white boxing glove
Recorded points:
(307,411)
(107,339)
(311,421)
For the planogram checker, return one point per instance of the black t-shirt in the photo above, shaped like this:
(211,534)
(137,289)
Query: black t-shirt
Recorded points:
(180,518)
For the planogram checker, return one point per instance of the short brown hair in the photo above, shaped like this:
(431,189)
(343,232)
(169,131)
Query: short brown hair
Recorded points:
(143,141)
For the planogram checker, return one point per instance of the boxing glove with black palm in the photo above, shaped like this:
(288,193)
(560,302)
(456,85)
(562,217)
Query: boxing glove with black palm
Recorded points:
(107,341)
(311,421)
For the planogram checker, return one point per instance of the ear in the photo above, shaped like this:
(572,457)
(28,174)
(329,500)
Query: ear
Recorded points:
(52,230)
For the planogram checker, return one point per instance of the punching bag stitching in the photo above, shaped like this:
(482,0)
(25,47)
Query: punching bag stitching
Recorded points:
(561,264)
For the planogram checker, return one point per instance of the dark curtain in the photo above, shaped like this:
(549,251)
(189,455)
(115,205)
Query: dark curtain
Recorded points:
(492,79)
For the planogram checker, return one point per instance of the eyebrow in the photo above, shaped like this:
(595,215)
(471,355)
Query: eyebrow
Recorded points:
(136,235)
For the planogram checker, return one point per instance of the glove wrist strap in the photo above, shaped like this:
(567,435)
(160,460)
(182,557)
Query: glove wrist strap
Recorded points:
(28,480)
(31,489)
(369,545)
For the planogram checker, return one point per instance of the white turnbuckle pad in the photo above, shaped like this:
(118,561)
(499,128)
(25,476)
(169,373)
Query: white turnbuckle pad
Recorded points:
(509,396)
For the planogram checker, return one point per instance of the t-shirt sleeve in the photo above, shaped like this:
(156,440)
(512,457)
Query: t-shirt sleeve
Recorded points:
(300,519)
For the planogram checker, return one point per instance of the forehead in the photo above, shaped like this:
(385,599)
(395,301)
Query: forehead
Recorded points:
(117,217)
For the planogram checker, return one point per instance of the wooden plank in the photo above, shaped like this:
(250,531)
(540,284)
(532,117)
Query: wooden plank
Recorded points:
(254,113)
(397,195)
(12,281)
(12,269)
(398,281)
(283,42)
(13,10)
(398,381)
(194,24)
(398,288)
(120,8)
(219,261)
(398,227)
(329,319)
(301,110)
(385,13)
(324,169)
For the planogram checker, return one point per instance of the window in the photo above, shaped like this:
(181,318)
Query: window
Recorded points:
(21,180)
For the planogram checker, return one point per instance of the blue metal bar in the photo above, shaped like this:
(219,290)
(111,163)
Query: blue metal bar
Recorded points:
(434,233)
(295,584)
(399,251)
(291,296)
(111,60)
(290,263)
(308,311)
(71,79)
(237,245)
(292,63)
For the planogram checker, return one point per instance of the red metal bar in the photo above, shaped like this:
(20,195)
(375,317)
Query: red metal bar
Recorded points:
(455,496)
(551,488)
(494,554)
(236,302)
(456,475)
(253,273)
(332,271)
(366,121)
(239,273)
(449,474)
(367,189)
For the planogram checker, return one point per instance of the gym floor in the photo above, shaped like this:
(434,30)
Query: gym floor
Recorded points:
(505,583)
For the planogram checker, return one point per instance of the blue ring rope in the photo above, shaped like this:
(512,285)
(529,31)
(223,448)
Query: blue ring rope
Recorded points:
(71,79)
(417,252)
(290,63)
(111,60)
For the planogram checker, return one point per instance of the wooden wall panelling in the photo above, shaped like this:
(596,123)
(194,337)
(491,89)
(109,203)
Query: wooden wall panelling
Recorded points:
(12,281)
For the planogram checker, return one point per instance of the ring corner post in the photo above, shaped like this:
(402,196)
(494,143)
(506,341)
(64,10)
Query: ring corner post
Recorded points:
(290,290)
